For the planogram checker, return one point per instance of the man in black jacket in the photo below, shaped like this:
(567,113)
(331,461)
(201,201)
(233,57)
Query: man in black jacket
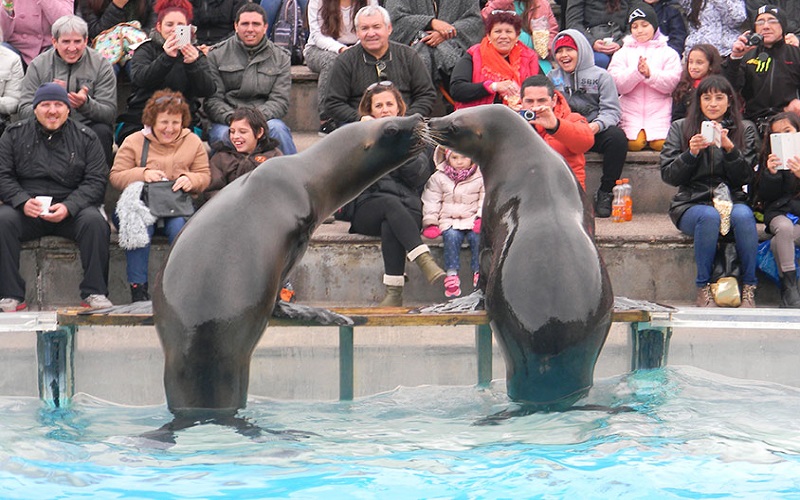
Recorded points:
(53,177)
(766,71)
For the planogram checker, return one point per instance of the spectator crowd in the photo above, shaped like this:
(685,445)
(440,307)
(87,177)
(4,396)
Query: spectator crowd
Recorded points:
(702,82)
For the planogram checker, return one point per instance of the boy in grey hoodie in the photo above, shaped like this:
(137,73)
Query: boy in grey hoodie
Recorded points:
(590,91)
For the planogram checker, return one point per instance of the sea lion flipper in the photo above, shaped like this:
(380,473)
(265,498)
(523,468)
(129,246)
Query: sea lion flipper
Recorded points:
(318,315)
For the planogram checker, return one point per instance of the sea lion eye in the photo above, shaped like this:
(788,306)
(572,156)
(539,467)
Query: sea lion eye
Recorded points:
(391,130)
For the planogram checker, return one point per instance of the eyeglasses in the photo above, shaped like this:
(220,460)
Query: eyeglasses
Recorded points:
(168,98)
(771,22)
(512,12)
(384,83)
(380,67)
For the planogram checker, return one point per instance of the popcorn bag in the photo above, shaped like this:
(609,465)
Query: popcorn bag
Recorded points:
(724,205)
(540,34)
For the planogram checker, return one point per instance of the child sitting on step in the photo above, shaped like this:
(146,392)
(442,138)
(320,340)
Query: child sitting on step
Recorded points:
(451,206)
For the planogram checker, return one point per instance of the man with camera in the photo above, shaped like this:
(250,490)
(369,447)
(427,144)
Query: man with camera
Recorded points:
(568,133)
(764,68)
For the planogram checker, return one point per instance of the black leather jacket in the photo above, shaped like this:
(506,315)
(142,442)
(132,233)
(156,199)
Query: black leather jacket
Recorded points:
(68,164)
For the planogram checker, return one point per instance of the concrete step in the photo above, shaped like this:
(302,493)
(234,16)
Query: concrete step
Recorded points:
(646,258)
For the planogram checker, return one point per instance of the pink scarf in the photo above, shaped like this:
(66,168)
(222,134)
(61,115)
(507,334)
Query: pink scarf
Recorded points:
(459,175)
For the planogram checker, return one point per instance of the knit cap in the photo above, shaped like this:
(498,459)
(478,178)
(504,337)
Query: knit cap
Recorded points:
(50,92)
(643,11)
(775,11)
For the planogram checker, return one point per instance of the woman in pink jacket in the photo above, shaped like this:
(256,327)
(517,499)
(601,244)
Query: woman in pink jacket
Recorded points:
(26,24)
(646,73)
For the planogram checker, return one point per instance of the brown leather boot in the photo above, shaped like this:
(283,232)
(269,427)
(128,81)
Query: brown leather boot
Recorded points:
(430,268)
(748,296)
(704,297)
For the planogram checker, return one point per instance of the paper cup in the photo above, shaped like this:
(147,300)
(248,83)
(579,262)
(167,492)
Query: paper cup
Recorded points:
(608,40)
(45,201)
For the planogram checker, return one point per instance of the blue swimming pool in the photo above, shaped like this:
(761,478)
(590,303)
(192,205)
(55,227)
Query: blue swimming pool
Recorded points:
(693,434)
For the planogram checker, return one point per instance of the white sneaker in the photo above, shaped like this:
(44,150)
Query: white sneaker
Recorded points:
(96,301)
(12,305)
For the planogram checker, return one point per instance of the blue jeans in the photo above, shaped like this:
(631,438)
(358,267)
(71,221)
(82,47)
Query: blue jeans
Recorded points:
(702,223)
(453,238)
(277,130)
(139,259)
(601,60)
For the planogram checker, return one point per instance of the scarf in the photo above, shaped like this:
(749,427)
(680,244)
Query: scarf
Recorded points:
(496,67)
(134,217)
(459,174)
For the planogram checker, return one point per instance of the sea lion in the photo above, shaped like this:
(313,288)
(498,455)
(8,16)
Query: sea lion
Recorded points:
(547,291)
(218,286)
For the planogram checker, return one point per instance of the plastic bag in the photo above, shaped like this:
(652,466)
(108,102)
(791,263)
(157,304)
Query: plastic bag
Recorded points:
(726,292)
(540,35)
(765,261)
(724,205)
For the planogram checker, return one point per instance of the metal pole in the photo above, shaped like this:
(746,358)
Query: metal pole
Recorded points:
(483,346)
(345,363)
(650,346)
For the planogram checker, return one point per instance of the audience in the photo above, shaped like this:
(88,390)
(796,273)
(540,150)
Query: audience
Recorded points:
(11,74)
(159,63)
(701,61)
(602,22)
(646,76)
(670,23)
(568,133)
(50,155)
(86,75)
(778,187)
(165,150)
(590,91)
(391,208)
(251,146)
(697,167)
(376,59)
(715,22)
(451,208)
(766,74)
(26,25)
(249,70)
(440,32)
(332,31)
(493,70)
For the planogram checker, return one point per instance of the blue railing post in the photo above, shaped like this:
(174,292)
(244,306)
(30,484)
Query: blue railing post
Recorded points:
(483,346)
(55,352)
(649,346)
(345,363)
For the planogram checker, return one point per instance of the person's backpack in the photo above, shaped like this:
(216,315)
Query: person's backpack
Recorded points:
(291,30)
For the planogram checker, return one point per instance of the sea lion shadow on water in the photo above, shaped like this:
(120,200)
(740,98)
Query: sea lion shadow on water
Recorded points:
(218,286)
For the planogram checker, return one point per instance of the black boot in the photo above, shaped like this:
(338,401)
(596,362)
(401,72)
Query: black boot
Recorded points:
(139,292)
(790,296)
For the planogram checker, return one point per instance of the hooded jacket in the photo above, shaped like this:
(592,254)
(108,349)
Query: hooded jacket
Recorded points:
(590,90)
(646,102)
(92,71)
(696,177)
(184,156)
(446,204)
(571,139)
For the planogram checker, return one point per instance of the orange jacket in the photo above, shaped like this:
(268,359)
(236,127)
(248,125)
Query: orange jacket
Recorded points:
(572,139)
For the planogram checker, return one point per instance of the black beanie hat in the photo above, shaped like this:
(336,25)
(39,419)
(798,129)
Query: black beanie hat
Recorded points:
(50,92)
(643,11)
(775,11)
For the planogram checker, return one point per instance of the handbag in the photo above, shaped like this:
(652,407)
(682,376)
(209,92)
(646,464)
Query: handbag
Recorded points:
(161,199)
(117,43)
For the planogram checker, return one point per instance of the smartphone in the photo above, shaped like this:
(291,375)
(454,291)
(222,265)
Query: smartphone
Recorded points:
(785,146)
(184,34)
(711,133)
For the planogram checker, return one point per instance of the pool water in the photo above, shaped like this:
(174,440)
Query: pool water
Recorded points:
(692,434)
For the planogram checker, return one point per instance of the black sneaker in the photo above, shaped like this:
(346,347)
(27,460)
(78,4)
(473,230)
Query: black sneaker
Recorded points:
(139,292)
(602,204)
(326,128)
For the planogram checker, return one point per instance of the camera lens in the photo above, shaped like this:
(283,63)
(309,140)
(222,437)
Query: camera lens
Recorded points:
(754,39)
(527,114)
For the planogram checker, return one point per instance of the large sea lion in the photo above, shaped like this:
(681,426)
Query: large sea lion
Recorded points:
(547,291)
(217,289)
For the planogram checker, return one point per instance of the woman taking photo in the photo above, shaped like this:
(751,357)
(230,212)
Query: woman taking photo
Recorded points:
(697,166)
(778,187)
(161,63)
(493,70)
(165,150)
(392,208)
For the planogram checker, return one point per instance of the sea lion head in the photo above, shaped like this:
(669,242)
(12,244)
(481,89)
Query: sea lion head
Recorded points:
(389,141)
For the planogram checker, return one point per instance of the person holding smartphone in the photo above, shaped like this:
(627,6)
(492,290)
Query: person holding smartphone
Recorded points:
(165,61)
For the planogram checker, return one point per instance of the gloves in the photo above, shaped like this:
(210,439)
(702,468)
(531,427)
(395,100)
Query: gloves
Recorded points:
(431,232)
(476,228)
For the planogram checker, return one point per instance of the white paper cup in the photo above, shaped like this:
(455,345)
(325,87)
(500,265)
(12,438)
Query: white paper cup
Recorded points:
(608,41)
(45,201)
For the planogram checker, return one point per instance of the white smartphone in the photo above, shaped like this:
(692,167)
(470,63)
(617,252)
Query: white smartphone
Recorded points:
(184,34)
(711,133)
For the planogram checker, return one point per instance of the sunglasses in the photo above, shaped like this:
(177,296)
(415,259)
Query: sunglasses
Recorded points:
(771,22)
(168,98)
(512,12)
(380,67)
(384,83)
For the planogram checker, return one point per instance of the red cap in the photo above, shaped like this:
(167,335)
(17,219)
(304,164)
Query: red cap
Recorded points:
(565,41)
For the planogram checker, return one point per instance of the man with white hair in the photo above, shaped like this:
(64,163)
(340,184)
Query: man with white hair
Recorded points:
(377,59)
(86,75)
